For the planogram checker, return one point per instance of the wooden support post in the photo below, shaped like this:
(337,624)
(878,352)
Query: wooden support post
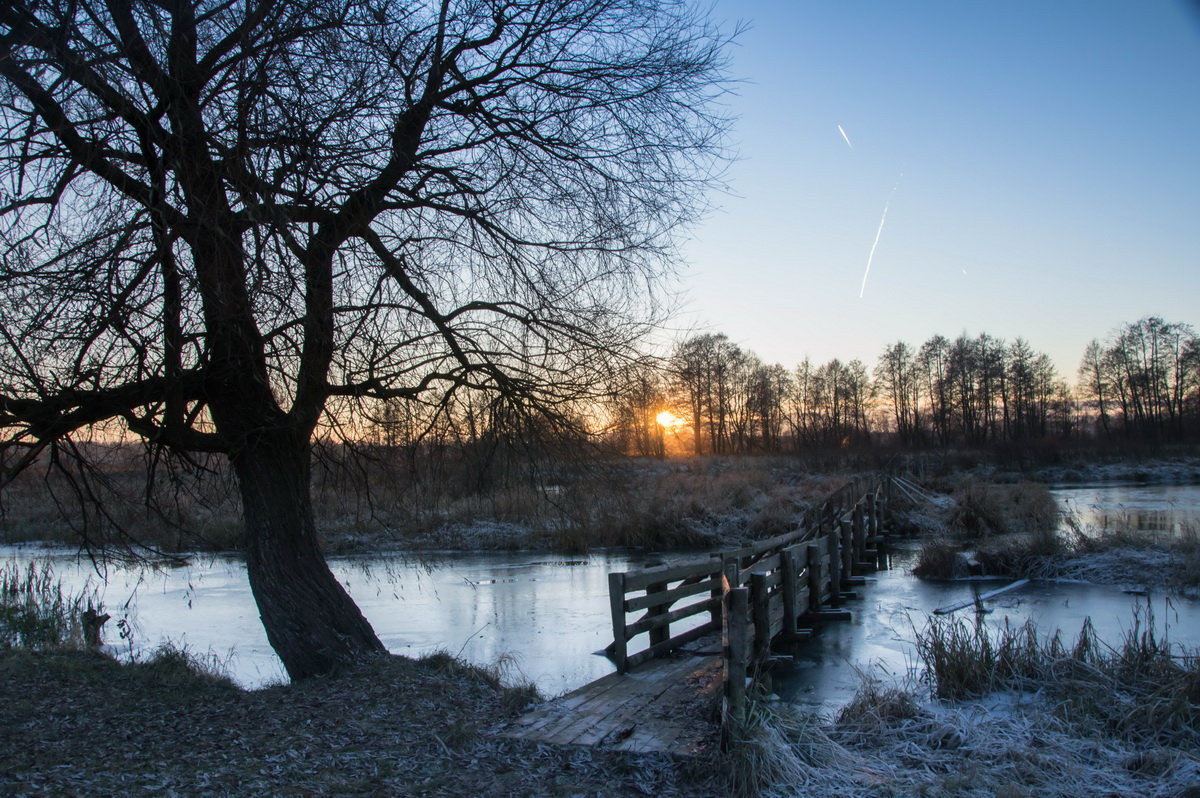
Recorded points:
(847,551)
(859,543)
(660,634)
(835,546)
(790,572)
(761,613)
(737,600)
(732,573)
(814,578)
(616,602)
(717,613)
(872,515)
(881,545)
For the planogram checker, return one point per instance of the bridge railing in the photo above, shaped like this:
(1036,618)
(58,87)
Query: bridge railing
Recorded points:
(799,573)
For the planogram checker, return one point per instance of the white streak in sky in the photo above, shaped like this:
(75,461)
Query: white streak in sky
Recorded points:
(847,138)
(879,232)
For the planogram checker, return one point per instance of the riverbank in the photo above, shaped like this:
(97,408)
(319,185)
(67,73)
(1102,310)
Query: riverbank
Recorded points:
(79,723)
(641,503)
(973,527)
(1013,711)
(692,503)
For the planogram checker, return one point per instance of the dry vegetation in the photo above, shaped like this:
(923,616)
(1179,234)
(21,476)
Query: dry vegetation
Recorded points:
(1016,530)
(998,529)
(365,504)
(1076,720)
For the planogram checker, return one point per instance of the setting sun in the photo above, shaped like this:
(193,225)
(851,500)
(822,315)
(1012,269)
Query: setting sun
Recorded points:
(668,419)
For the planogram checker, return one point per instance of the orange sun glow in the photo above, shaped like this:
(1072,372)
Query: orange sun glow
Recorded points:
(668,419)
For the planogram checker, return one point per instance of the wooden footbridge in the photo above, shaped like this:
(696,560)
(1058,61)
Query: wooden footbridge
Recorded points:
(688,636)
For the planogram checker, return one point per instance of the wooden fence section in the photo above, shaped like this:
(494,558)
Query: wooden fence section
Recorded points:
(798,573)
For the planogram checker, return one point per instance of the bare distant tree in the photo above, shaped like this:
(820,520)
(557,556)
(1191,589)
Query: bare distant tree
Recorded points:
(898,379)
(1149,367)
(703,372)
(223,223)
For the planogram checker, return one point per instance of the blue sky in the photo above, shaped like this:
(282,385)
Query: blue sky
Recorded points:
(1042,161)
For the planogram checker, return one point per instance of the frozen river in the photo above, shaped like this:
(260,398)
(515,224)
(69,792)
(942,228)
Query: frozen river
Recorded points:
(548,615)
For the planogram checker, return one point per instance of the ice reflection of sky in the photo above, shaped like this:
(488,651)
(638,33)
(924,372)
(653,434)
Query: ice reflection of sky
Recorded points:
(879,639)
(1150,508)
(549,614)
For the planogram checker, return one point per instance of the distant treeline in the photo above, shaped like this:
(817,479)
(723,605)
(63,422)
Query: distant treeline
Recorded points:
(1141,383)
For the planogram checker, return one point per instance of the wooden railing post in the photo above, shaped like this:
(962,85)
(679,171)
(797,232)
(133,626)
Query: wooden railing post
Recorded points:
(659,634)
(860,537)
(791,574)
(616,602)
(847,551)
(814,577)
(737,600)
(732,572)
(718,611)
(761,613)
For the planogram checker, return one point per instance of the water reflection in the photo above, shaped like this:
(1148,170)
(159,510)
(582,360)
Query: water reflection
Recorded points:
(879,640)
(549,615)
(544,616)
(1168,509)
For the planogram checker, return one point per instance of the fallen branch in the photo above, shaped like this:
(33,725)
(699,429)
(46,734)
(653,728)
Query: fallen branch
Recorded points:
(979,599)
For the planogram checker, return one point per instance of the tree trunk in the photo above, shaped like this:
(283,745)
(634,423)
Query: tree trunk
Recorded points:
(311,622)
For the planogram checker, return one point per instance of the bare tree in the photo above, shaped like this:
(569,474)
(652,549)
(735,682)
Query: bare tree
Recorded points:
(1148,369)
(224,223)
(898,378)
(704,371)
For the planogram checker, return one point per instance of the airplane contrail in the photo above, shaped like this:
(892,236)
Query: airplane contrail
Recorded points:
(847,138)
(878,233)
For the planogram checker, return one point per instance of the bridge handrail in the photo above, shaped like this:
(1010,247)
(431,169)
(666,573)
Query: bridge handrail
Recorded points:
(790,574)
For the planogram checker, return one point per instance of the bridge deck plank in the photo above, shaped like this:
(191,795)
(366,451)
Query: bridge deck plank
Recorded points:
(668,705)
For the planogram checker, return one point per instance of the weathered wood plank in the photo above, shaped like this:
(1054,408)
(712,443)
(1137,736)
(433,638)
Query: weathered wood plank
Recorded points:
(664,708)
(681,639)
(671,595)
(635,580)
(660,620)
(765,564)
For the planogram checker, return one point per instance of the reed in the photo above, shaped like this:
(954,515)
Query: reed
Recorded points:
(36,612)
(1141,688)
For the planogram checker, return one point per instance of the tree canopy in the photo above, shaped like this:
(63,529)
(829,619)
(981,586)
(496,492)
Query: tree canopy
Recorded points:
(221,222)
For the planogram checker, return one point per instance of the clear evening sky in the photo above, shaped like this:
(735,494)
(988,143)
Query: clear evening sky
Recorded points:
(1040,163)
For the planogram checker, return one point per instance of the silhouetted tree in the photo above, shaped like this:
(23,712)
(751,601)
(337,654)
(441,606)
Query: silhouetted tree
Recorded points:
(898,381)
(706,373)
(1148,368)
(224,224)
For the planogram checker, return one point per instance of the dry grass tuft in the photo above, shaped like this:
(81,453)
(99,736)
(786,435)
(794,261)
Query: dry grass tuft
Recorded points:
(1142,689)
(1025,507)
(1083,720)
(34,610)
(940,558)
